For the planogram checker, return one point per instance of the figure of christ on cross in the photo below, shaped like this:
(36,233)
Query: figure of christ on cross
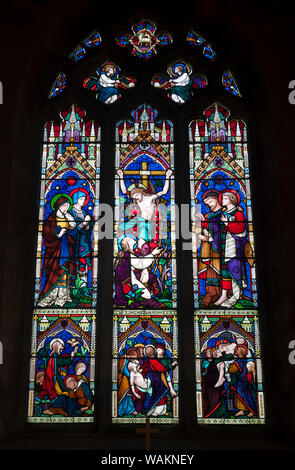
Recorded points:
(139,195)
(140,247)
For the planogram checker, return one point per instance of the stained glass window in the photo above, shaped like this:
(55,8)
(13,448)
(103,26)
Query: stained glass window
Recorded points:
(144,39)
(225,315)
(194,39)
(228,355)
(80,51)
(63,343)
(180,82)
(108,83)
(58,86)
(229,83)
(145,376)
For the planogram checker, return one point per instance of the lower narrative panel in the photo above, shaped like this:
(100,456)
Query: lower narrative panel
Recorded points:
(145,367)
(229,385)
(61,387)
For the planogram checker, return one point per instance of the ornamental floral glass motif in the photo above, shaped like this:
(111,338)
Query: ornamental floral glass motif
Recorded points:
(229,83)
(194,39)
(58,86)
(80,51)
(145,377)
(228,356)
(144,39)
(63,343)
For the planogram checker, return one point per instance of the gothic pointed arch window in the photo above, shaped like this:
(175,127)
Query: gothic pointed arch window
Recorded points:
(63,336)
(145,290)
(225,291)
(134,121)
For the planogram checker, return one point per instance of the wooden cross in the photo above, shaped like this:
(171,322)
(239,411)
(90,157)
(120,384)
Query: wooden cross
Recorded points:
(147,430)
(145,173)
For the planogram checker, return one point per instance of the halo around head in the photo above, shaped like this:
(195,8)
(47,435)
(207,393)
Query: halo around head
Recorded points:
(56,340)
(108,65)
(229,191)
(87,196)
(136,186)
(186,68)
(58,196)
